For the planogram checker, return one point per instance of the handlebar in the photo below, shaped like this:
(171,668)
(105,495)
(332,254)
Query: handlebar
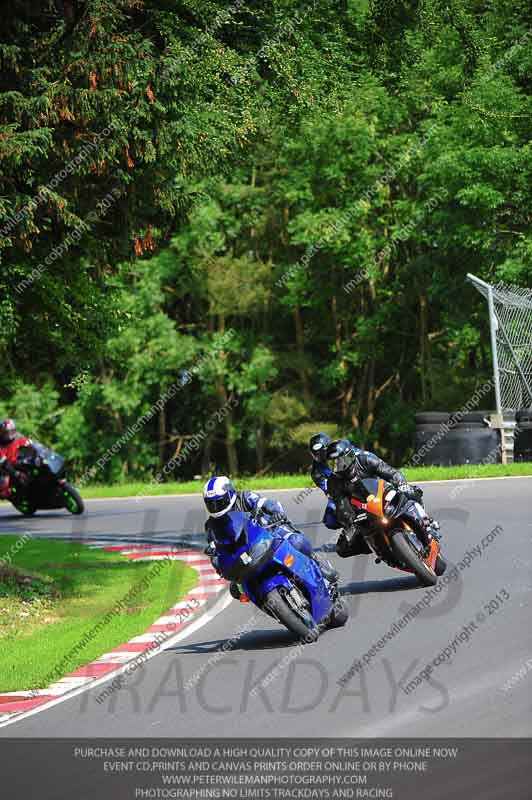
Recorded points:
(279,523)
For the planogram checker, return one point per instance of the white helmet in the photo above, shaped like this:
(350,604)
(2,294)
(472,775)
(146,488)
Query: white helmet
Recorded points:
(219,495)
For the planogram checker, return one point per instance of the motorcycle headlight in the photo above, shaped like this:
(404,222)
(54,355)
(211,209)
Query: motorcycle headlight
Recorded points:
(389,502)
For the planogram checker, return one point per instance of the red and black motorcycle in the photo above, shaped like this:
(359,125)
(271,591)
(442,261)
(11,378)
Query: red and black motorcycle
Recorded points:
(378,511)
(38,481)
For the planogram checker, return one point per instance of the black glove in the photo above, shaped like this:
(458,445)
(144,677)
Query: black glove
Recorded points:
(271,520)
(419,493)
(412,492)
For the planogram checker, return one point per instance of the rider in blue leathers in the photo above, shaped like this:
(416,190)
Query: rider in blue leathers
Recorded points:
(220,497)
(320,473)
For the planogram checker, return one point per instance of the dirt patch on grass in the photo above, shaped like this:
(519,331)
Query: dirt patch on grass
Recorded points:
(18,575)
(27,601)
(20,618)
(16,582)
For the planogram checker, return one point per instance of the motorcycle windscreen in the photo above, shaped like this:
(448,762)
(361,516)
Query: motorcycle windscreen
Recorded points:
(252,561)
(231,528)
(54,462)
(26,455)
(362,489)
(36,455)
(254,552)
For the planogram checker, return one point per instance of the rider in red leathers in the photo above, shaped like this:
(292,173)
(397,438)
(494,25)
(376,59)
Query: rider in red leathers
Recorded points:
(10,441)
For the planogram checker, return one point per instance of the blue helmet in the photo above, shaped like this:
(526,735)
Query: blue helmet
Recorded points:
(219,495)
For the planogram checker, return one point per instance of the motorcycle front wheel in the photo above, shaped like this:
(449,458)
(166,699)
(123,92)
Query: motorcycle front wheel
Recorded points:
(440,565)
(407,555)
(340,614)
(72,499)
(25,508)
(278,606)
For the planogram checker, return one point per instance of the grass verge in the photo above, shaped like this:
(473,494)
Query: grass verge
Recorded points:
(59,605)
(414,475)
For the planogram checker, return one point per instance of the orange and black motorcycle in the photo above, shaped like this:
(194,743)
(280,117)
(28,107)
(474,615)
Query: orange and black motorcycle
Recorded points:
(378,510)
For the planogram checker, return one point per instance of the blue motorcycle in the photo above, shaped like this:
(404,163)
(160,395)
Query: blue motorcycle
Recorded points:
(276,577)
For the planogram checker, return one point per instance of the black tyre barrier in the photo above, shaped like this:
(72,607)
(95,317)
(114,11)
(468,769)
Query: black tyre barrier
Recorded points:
(431,428)
(524,415)
(428,436)
(426,432)
(463,425)
(523,442)
(432,417)
(463,444)
(472,416)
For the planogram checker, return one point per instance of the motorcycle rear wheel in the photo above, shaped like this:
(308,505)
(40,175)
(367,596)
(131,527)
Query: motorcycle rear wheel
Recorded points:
(406,555)
(72,499)
(278,606)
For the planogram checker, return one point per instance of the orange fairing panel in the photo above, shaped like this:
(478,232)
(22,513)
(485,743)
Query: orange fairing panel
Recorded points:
(430,560)
(374,503)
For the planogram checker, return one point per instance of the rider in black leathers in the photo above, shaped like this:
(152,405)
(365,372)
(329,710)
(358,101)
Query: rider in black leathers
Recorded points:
(351,464)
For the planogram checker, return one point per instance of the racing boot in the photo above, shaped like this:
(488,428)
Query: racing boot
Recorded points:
(351,543)
(237,593)
(234,590)
(327,570)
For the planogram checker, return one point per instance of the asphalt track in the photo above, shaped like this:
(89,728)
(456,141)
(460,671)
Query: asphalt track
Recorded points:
(300,694)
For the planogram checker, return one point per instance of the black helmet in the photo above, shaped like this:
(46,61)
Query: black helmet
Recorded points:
(342,454)
(8,431)
(318,447)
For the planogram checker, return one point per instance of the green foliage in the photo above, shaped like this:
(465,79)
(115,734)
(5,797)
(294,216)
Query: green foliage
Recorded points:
(315,181)
(37,409)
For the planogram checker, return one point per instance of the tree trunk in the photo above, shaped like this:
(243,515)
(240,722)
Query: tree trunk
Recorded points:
(300,341)
(347,397)
(232,456)
(230,447)
(370,398)
(259,448)
(206,455)
(336,323)
(423,344)
(162,436)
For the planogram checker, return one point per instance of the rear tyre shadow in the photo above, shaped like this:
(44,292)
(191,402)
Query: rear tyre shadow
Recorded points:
(255,640)
(390,585)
